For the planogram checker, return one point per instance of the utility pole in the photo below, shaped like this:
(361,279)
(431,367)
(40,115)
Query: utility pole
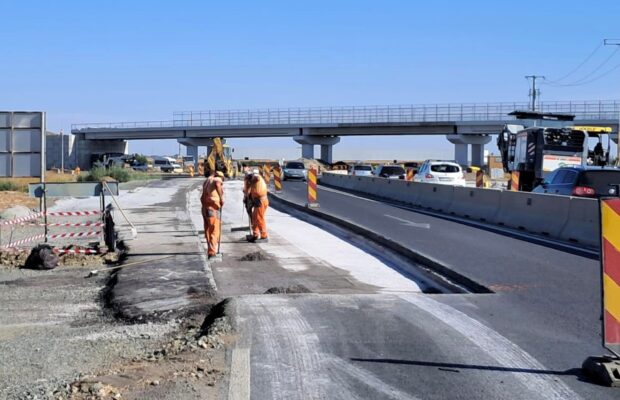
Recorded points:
(615,42)
(62,153)
(534,93)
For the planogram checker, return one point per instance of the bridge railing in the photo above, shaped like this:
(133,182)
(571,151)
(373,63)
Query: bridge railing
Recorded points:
(584,110)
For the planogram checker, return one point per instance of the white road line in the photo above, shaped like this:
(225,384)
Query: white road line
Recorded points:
(294,364)
(349,194)
(409,223)
(506,353)
(367,378)
(239,384)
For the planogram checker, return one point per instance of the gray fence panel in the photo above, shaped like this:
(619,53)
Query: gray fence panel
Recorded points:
(5,165)
(26,120)
(5,120)
(24,164)
(5,140)
(27,141)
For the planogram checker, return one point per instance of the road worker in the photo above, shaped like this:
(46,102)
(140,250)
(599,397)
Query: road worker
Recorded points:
(258,194)
(212,201)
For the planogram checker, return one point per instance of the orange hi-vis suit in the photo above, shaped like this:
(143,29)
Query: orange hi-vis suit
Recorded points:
(258,194)
(212,201)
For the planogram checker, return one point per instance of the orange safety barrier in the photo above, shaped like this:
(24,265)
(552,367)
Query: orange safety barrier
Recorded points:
(610,264)
(479,179)
(266,173)
(312,188)
(514,181)
(277,179)
(409,175)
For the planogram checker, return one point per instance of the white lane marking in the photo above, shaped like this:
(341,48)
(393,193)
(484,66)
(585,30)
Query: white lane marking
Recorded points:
(508,354)
(367,378)
(409,223)
(239,384)
(295,366)
(349,195)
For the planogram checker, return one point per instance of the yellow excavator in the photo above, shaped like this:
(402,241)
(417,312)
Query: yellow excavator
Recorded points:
(220,159)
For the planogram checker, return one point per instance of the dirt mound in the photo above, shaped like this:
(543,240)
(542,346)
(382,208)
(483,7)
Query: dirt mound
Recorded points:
(255,256)
(288,290)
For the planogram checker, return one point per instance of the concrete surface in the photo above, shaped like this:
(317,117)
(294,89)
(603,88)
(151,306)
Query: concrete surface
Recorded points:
(297,254)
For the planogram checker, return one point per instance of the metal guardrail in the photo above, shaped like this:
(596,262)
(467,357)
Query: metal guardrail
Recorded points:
(583,110)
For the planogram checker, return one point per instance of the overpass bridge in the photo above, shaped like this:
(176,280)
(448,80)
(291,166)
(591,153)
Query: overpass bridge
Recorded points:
(465,125)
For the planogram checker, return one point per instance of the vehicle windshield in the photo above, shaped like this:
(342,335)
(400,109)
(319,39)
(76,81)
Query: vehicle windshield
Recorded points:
(362,168)
(295,165)
(445,168)
(600,180)
(392,170)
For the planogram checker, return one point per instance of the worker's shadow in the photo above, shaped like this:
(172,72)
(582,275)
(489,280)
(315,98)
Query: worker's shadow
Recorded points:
(456,368)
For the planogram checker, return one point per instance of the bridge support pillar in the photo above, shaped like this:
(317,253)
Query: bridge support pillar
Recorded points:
(461,148)
(327,153)
(307,150)
(326,142)
(477,155)
(192,151)
(460,153)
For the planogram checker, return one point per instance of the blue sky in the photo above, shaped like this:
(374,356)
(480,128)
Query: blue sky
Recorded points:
(87,61)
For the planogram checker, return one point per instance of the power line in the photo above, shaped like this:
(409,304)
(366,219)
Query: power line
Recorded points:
(596,49)
(585,79)
(596,78)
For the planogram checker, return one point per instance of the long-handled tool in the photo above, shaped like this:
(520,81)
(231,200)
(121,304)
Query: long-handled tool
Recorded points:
(241,228)
(219,238)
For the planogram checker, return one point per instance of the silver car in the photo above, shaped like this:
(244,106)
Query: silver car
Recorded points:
(294,170)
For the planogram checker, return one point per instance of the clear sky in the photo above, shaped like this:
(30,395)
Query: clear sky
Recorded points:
(101,61)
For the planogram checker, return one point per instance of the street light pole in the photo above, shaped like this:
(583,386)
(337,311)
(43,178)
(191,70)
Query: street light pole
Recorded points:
(615,42)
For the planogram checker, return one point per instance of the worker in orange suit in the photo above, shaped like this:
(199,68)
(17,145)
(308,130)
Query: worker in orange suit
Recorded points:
(212,201)
(258,196)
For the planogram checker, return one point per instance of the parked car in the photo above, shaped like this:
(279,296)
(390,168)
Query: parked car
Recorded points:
(390,172)
(294,170)
(165,165)
(361,170)
(581,182)
(440,172)
(141,167)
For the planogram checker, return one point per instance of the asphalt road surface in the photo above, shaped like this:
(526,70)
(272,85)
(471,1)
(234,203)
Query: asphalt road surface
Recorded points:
(526,340)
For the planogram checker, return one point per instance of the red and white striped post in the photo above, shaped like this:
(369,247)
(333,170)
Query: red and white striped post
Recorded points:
(410,174)
(277,179)
(312,188)
(606,369)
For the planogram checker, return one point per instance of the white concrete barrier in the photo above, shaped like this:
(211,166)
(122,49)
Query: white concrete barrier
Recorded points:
(535,213)
(478,204)
(434,197)
(565,218)
(583,223)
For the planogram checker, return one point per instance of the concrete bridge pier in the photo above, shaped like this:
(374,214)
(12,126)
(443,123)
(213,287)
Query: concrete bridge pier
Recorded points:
(326,143)
(461,148)
(192,151)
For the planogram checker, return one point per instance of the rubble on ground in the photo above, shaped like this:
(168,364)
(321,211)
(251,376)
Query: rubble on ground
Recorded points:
(288,290)
(255,256)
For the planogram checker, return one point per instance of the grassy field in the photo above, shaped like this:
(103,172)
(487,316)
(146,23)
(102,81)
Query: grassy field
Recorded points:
(21,184)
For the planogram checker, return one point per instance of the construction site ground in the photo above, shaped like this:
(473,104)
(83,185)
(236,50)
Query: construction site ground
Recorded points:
(154,329)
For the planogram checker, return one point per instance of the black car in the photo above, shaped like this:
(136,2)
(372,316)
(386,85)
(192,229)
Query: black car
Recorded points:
(581,182)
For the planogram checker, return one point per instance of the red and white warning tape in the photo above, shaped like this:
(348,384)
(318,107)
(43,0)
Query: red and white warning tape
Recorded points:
(50,214)
(25,240)
(74,235)
(73,213)
(68,224)
(75,251)
(20,220)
